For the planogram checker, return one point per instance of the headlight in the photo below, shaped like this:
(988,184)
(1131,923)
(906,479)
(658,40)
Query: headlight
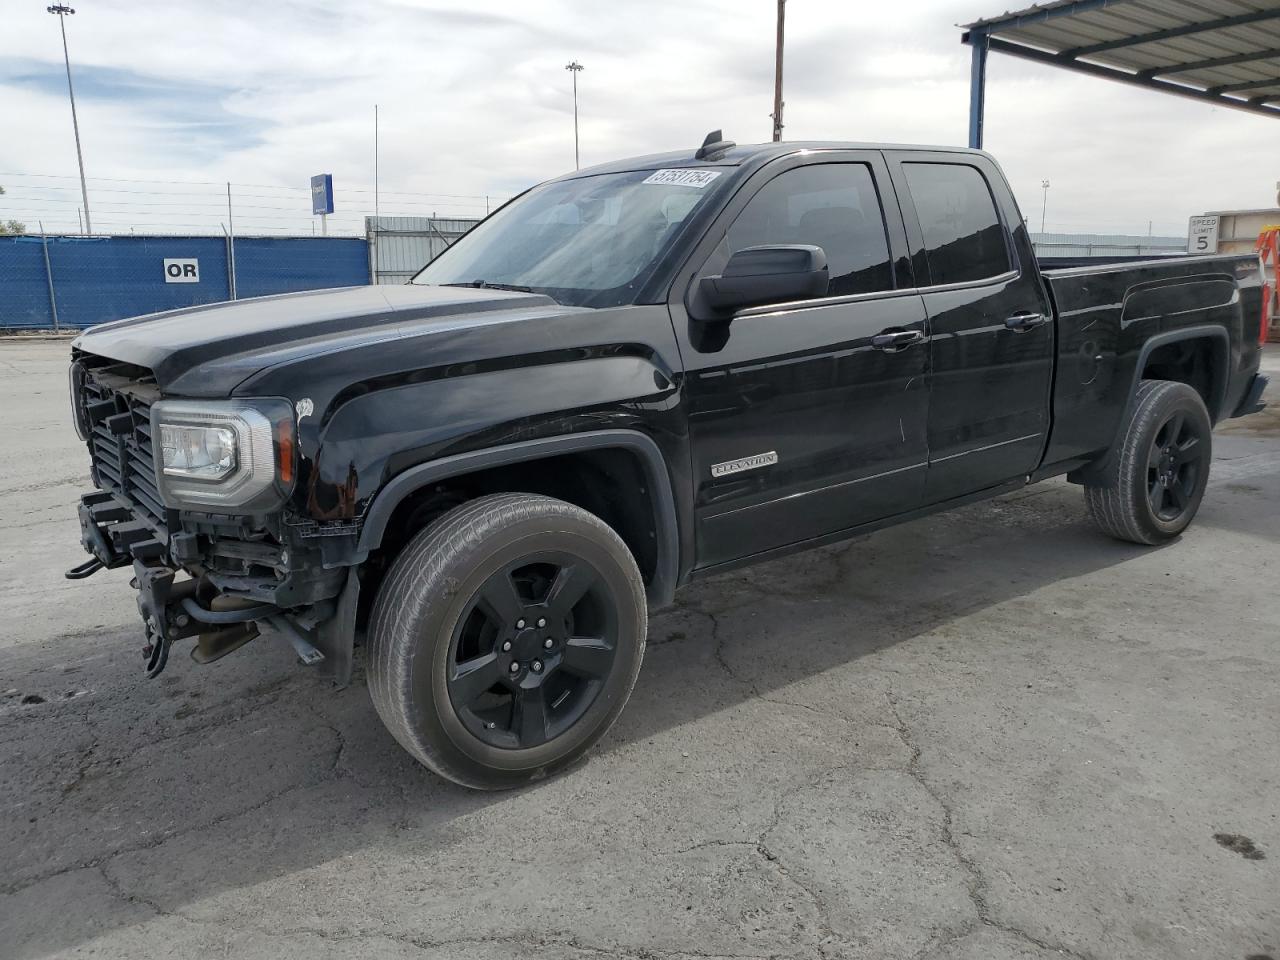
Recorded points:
(223,455)
(203,453)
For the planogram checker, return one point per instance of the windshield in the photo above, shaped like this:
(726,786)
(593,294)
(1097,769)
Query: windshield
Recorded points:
(591,241)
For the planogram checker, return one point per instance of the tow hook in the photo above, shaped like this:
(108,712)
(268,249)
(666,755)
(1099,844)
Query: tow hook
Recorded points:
(155,652)
(163,622)
(86,569)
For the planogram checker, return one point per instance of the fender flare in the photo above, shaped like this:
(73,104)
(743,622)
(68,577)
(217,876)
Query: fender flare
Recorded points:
(1222,373)
(666,522)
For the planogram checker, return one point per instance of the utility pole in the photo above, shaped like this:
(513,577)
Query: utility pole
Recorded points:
(231,247)
(48,274)
(777,76)
(377,209)
(1044,185)
(63,11)
(575,68)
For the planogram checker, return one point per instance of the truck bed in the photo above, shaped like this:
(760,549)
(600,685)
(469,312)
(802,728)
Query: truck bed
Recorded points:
(1114,315)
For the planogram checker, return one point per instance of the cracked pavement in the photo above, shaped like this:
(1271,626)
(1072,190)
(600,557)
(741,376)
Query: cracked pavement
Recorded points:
(989,735)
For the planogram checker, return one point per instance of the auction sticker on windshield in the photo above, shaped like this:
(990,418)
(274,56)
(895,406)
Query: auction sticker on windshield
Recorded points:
(682,178)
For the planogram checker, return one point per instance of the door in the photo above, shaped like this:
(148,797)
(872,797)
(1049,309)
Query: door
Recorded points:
(801,425)
(991,330)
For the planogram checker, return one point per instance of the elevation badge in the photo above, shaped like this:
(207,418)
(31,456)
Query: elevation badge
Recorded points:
(746,463)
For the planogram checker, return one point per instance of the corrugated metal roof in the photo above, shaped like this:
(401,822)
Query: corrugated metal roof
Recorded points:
(1227,50)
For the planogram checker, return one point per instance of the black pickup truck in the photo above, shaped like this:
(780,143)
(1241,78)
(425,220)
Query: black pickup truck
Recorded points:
(625,379)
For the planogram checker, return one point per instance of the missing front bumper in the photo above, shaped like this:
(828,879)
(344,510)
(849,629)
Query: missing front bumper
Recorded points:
(179,596)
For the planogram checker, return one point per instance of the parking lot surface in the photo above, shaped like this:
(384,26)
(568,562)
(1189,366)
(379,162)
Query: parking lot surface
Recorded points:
(991,734)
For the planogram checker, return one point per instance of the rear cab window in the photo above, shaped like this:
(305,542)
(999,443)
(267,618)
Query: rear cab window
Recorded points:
(964,239)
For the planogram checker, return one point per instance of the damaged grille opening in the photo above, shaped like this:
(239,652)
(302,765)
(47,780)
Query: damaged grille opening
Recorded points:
(263,559)
(117,399)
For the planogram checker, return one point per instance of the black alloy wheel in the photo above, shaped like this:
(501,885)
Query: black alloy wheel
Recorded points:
(532,650)
(1174,465)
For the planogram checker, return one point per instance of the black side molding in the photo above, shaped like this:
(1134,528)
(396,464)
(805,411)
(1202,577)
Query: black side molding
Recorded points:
(667,571)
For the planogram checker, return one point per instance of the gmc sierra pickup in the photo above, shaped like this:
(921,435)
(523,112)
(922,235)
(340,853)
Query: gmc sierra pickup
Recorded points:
(633,376)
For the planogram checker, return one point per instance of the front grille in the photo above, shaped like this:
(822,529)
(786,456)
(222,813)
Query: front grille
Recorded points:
(117,402)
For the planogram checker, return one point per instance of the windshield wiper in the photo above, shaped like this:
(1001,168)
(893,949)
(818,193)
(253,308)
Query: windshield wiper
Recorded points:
(491,285)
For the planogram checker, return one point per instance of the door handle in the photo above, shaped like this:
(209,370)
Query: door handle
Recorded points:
(892,340)
(1022,322)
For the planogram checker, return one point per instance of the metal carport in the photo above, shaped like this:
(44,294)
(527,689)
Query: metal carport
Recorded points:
(1225,52)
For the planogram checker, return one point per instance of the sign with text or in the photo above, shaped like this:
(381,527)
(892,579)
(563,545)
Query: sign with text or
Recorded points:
(181,271)
(322,193)
(1202,235)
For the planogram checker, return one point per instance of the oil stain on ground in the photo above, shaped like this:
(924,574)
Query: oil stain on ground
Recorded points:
(1238,843)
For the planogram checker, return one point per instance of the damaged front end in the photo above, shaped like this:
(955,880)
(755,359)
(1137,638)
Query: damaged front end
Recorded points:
(192,496)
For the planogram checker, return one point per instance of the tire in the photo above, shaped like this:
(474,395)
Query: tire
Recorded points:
(1151,486)
(537,595)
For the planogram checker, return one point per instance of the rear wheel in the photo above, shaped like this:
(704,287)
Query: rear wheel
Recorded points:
(506,639)
(1150,490)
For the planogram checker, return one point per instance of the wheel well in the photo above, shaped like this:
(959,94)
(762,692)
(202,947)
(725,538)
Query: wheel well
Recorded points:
(610,483)
(1196,362)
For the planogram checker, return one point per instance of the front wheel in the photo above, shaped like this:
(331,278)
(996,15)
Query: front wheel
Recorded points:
(506,639)
(1152,486)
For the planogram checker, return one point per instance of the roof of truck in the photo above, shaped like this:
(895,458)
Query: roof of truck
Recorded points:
(739,154)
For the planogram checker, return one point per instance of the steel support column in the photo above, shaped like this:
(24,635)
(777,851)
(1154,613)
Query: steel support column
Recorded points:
(979,40)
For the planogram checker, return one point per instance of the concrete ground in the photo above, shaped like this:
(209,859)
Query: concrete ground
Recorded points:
(989,735)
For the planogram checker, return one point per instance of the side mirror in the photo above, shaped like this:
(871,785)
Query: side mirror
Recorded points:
(755,276)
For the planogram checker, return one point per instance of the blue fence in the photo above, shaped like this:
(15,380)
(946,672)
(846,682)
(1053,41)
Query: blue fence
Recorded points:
(96,279)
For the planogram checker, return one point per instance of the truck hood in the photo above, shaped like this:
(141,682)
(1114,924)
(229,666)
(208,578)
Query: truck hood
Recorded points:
(207,350)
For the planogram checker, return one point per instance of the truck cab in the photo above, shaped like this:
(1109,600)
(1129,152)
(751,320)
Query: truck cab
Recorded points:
(922,374)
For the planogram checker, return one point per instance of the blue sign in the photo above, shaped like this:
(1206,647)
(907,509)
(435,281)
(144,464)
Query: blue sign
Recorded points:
(322,193)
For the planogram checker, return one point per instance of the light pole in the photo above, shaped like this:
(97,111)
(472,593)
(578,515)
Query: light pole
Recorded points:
(575,68)
(62,11)
(777,74)
(1044,185)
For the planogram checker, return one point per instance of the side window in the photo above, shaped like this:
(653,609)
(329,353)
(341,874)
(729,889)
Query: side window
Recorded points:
(831,205)
(963,237)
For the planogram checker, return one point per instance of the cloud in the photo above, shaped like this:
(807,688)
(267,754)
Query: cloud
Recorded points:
(475,101)
(183,118)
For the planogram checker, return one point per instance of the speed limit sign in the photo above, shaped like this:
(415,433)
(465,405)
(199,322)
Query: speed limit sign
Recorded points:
(1202,235)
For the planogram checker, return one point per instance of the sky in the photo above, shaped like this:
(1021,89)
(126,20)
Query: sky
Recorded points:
(474,101)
